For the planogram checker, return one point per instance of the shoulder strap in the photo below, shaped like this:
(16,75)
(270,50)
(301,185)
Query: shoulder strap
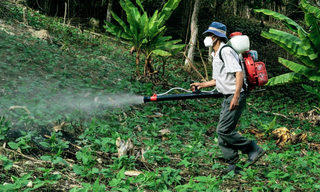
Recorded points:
(221,52)
(244,86)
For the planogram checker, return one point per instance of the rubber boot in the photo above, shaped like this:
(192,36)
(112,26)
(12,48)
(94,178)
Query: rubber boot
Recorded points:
(232,167)
(254,153)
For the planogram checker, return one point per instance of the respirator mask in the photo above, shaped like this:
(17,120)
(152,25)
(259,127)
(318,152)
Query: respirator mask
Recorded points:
(208,42)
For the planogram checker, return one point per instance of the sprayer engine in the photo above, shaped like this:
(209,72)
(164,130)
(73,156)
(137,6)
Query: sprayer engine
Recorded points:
(256,72)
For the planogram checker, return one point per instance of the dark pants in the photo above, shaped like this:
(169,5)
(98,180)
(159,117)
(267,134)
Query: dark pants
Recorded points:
(230,141)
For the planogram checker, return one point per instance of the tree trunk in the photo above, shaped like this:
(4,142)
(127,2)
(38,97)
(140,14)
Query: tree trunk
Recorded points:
(148,69)
(110,4)
(247,11)
(234,7)
(137,63)
(164,62)
(194,34)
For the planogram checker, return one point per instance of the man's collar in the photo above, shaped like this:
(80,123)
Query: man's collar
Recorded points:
(221,45)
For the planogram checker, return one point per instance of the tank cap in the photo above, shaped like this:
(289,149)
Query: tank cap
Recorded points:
(235,34)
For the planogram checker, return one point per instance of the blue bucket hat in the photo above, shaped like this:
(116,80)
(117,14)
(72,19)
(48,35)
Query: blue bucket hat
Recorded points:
(218,29)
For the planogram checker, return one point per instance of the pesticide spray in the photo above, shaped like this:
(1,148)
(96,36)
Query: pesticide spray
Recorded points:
(88,101)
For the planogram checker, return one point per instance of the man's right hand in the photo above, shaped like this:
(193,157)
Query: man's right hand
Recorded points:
(194,85)
(204,84)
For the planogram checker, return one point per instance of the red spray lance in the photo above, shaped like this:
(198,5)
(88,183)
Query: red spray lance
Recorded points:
(194,94)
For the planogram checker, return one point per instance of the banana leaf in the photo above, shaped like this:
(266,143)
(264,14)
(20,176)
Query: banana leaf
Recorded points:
(292,25)
(310,73)
(314,90)
(290,40)
(286,78)
(314,34)
(308,46)
(122,24)
(140,5)
(160,52)
(167,10)
(311,9)
(117,31)
(292,47)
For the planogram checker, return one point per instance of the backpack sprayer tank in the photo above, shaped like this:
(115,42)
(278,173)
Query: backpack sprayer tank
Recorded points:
(240,43)
(256,72)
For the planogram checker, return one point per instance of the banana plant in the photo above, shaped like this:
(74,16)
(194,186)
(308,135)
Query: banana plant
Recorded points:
(145,34)
(305,46)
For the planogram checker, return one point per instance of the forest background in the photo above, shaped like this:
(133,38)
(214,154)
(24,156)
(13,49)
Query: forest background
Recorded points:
(63,124)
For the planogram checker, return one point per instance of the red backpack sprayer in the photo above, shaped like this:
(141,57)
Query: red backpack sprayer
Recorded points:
(255,72)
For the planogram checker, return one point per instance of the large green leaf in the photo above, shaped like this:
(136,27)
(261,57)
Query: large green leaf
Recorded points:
(168,45)
(315,89)
(285,78)
(127,5)
(174,48)
(292,25)
(133,16)
(144,23)
(160,40)
(290,47)
(122,24)
(310,73)
(311,9)
(160,52)
(167,10)
(114,30)
(314,35)
(140,5)
(307,46)
(292,42)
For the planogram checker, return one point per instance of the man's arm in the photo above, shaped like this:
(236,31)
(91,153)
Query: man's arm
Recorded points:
(205,84)
(234,104)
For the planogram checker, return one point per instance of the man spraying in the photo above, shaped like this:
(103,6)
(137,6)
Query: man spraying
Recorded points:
(228,77)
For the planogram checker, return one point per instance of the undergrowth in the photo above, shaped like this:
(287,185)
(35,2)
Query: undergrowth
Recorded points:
(53,82)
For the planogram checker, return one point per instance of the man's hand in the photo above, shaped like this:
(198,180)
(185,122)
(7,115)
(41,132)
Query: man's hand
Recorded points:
(204,84)
(194,85)
(234,104)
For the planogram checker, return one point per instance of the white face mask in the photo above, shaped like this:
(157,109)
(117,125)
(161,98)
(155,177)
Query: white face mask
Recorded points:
(208,42)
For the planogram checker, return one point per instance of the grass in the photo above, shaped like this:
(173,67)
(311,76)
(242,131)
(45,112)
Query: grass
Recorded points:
(57,83)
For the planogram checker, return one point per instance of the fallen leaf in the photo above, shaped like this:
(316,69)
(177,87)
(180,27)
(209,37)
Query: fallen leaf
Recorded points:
(133,173)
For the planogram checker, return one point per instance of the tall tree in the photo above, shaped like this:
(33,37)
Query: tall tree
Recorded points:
(193,35)
(110,5)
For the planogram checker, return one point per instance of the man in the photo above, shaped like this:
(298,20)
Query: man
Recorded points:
(228,77)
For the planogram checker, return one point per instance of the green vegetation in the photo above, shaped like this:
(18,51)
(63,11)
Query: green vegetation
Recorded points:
(66,141)
(146,34)
(305,47)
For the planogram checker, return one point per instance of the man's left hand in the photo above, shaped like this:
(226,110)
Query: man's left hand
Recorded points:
(234,104)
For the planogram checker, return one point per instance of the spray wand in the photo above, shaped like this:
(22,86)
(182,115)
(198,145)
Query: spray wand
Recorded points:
(194,94)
